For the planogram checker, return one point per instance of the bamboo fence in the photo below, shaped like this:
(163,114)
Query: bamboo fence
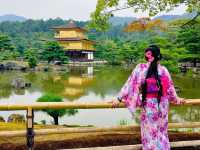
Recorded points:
(73,105)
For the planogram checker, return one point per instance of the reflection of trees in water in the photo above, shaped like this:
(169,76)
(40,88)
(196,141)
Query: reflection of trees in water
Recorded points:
(78,70)
(73,85)
(5,90)
(5,84)
(68,86)
(193,113)
(185,113)
(6,78)
(49,85)
(108,80)
(189,86)
(19,91)
(189,89)
(39,82)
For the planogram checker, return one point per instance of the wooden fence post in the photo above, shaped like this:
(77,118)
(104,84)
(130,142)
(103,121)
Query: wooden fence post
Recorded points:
(30,132)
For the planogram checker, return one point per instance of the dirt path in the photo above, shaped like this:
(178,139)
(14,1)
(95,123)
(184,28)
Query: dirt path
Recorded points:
(53,142)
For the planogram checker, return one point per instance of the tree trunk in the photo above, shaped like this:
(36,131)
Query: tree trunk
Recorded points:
(55,118)
(195,62)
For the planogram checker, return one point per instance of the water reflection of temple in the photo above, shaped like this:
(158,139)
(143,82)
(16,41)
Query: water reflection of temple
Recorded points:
(77,83)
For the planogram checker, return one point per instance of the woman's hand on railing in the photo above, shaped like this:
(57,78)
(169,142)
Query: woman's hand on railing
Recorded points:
(181,100)
(177,100)
(114,103)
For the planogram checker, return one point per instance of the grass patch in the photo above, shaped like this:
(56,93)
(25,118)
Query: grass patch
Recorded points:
(22,126)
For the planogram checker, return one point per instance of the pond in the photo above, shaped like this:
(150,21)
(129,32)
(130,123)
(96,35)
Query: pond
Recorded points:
(89,84)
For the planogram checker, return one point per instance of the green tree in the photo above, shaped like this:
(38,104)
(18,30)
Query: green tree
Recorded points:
(32,62)
(7,48)
(9,55)
(53,51)
(31,33)
(189,38)
(31,56)
(105,8)
(5,43)
(121,51)
(171,54)
(55,114)
(108,50)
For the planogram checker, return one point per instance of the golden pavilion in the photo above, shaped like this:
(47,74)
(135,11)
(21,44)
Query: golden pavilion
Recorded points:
(75,42)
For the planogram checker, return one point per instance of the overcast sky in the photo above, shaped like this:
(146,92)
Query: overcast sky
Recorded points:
(66,9)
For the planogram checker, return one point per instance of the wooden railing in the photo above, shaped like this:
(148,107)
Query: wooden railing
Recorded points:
(73,105)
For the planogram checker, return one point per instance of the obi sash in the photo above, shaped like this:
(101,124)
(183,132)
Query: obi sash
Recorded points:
(152,86)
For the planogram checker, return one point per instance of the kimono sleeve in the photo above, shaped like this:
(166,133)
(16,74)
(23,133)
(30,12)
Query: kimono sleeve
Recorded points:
(129,93)
(171,92)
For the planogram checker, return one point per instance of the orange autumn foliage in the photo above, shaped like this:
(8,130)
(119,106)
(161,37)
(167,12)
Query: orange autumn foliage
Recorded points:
(146,23)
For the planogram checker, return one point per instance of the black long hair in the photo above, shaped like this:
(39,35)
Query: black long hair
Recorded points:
(152,71)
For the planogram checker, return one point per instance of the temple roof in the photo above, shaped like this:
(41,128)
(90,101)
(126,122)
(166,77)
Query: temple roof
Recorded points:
(74,39)
(70,25)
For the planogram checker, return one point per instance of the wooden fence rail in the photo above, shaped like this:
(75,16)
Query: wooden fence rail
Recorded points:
(71,105)
(139,146)
(130,128)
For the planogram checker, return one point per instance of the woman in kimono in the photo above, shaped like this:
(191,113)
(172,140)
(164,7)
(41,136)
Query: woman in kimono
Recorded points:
(151,88)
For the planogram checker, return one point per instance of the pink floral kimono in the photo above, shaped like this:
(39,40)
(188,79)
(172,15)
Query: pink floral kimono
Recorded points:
(154,123)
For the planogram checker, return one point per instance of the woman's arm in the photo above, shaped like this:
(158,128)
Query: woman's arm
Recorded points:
(129,93)
(171,92)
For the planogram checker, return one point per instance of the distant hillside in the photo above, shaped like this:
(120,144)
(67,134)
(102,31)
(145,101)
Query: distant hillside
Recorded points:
(12,18)
(168,17)
(113,20)
(125,20)
(174,17)
(121,20)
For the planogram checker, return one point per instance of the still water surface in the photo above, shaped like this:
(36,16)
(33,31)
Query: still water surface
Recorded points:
(89,84)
